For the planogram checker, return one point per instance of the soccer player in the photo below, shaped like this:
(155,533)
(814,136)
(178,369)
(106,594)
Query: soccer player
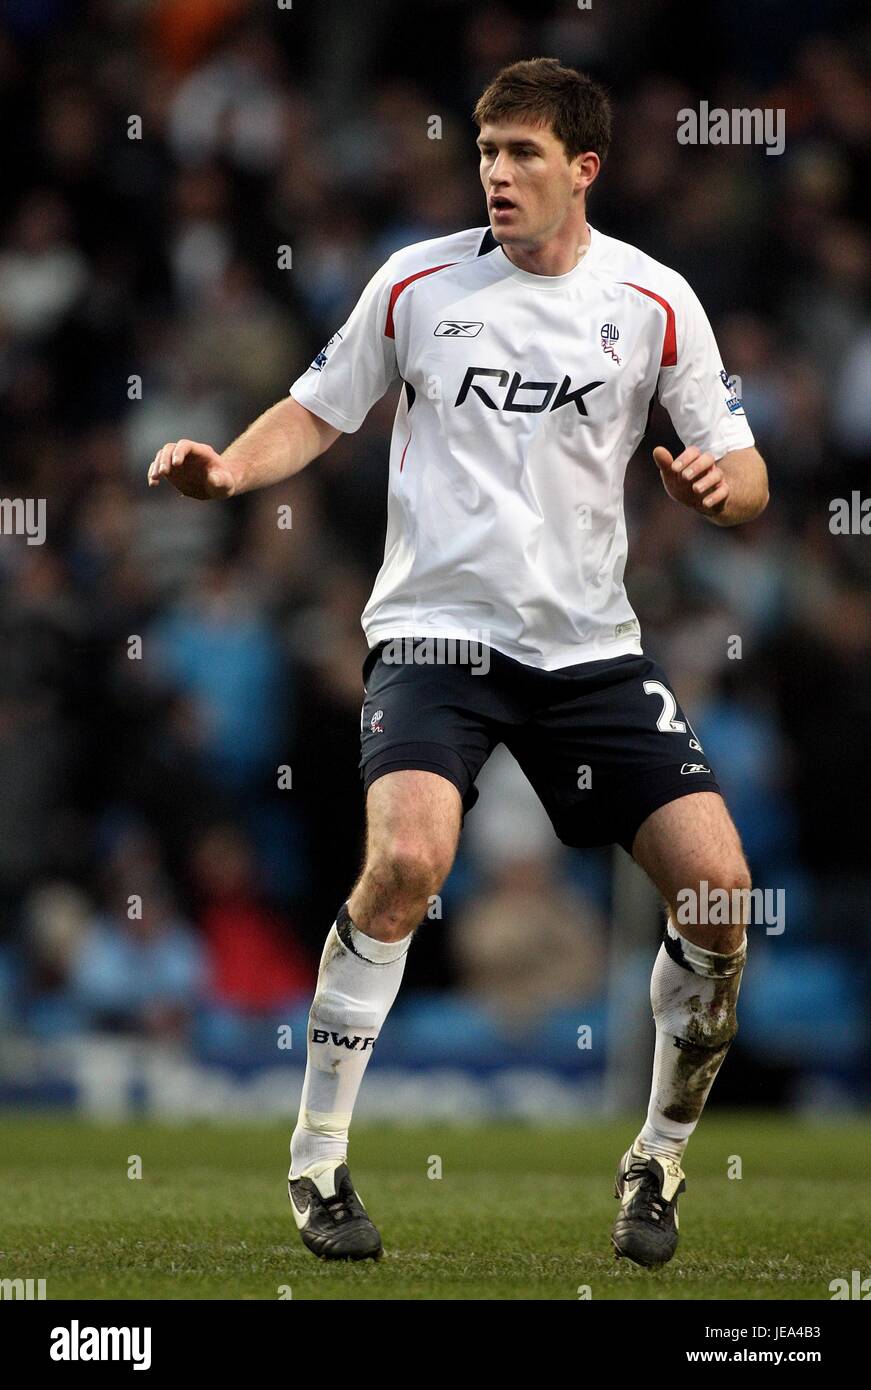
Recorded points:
(530,352)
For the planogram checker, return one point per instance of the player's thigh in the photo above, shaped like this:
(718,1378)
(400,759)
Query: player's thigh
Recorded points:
(413,821)
(427,717)
(688,848)
(609,747)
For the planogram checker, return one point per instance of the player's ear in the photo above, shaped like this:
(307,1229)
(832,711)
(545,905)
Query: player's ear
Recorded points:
(588,165)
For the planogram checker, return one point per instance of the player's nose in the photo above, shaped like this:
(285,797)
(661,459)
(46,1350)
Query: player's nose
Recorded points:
(499,183)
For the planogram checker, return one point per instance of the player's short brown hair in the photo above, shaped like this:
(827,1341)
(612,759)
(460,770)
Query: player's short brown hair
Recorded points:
(543,92)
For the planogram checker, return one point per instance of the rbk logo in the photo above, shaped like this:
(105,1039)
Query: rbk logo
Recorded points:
(320,1035)
(544,390)
(458,328)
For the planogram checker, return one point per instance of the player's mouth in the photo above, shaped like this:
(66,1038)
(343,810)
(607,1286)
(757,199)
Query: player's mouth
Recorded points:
(500,207)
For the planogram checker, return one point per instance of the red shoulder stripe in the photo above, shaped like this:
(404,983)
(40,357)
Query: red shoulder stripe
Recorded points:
(669,342)
(397,289)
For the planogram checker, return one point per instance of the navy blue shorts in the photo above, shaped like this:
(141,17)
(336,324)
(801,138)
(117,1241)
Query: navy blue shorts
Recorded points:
(604,743)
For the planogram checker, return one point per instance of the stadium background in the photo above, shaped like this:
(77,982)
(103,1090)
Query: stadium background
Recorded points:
(158,258)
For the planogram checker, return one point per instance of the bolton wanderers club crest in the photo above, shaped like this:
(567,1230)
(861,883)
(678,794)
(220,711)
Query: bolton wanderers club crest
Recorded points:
(610,333)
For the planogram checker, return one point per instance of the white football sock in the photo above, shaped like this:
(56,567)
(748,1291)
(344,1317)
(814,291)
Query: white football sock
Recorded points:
(358,981)
(693,993)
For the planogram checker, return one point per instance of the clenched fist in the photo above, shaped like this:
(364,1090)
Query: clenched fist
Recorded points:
(194,469)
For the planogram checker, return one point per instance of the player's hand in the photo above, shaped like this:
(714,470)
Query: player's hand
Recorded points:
(694,479)
(194,469)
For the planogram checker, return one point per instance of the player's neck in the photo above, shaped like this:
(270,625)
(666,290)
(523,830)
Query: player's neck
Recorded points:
(557,256)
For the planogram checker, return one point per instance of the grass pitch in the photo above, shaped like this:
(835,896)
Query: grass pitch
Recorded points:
(518,1213)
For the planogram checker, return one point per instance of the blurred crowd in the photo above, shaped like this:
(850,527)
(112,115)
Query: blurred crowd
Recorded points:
(195,195)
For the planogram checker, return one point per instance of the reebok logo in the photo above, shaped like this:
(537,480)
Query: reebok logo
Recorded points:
(693,767)
(457,328)
(322,1035)
(525,397)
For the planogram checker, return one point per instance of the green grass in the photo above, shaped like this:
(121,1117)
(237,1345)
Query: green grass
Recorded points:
(519,1213)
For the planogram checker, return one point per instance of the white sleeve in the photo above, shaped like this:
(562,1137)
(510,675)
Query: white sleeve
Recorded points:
(357,365)
(698,393)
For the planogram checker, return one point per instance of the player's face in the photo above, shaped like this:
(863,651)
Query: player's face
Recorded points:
(531,187)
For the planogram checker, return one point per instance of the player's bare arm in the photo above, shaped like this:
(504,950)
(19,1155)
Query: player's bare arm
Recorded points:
(727,492)
(280,442)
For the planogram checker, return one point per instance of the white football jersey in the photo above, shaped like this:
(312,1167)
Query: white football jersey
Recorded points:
(525,396)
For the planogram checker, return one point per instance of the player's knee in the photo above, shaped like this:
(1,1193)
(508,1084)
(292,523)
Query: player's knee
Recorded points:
(735,883)
(411,869)
(715,912)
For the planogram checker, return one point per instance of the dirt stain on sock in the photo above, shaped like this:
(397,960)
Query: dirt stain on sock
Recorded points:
(712,1027)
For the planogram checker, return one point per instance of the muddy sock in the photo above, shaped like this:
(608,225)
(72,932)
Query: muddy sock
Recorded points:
(693,993)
